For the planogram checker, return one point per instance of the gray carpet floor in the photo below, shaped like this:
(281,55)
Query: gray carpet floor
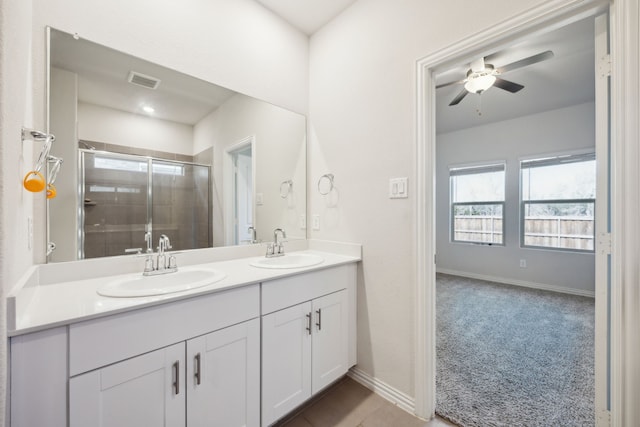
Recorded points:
(513,356)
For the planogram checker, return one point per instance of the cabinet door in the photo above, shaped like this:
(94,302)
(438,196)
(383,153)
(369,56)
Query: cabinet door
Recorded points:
(330,339)
(223,371)
(286,361)
(148,390)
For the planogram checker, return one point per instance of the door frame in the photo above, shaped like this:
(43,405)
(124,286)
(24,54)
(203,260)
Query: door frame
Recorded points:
(229,184)
(625,230)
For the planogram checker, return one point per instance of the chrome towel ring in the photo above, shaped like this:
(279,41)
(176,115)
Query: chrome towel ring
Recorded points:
(325,184)
(285,188)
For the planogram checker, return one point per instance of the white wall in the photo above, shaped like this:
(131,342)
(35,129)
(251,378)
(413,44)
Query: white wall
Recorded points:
(279,155)
(16,204)
(550,132)
(362,129)
(102,124)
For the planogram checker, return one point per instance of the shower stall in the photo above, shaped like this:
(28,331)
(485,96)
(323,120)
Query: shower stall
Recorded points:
(124,196)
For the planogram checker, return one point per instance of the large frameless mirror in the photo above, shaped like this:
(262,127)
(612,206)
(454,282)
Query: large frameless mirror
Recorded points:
(149,151)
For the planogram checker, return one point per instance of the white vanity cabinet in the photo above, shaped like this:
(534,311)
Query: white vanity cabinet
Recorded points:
(217,385)
(190,362)
(242,356)
(142,391)
(223,377)
(306,337)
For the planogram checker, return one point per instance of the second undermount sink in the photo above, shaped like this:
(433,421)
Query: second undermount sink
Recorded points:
(141,286)
(288,261)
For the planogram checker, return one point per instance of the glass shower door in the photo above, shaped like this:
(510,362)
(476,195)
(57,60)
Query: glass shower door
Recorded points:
(180,206)
(116,192)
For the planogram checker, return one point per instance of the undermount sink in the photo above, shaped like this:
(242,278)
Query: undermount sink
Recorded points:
(288,261)
(142,286)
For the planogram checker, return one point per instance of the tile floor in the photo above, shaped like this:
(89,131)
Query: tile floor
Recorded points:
(349,404)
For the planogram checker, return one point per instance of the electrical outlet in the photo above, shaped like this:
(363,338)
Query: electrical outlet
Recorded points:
(523,263)
(315,222)
(303,221)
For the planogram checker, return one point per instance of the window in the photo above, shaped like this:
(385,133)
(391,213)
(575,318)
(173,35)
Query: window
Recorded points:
(477,204)
(558,202)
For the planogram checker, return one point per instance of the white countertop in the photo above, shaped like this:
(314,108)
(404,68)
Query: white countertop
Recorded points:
(36,304)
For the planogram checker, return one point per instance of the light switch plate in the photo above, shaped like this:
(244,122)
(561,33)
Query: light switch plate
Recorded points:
(303,221)
(259,199)
(315,222)
(398,188)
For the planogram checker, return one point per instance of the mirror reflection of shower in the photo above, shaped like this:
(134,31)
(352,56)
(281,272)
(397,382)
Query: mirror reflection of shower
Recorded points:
(126,195)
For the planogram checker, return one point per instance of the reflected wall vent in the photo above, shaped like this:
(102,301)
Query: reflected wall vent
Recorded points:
(143,80)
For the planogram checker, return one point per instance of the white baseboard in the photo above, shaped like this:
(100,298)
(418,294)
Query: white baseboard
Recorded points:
(522,283)
(383,389)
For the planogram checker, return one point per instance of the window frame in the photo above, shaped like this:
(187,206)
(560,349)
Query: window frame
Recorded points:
(549,160)
(472,169)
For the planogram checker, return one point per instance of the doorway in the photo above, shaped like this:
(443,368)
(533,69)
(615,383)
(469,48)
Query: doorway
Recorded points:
(239,176)
(493,39)
(539,234)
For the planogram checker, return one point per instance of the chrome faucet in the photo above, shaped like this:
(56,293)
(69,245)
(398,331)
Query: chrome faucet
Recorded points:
(147,239)
(276,248)
(162,264)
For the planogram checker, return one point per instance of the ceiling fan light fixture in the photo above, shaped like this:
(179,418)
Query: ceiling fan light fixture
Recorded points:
(479,83)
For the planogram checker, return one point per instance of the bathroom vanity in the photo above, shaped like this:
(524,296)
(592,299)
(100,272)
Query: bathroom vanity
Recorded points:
(243,351)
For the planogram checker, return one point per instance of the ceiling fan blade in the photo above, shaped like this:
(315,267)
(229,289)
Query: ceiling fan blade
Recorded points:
(459,98)
(526,61)
(507,85)
(457,82)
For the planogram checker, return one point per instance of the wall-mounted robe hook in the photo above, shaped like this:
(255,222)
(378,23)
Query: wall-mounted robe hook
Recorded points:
(34,181)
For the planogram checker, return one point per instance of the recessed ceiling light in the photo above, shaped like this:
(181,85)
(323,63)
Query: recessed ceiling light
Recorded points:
(148,109)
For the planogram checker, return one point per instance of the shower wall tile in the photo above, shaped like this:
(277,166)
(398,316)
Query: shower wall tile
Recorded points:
(95,245)
(205,157)
(123,149)
(95,215)
(118,241)
(98,146)
(162,217)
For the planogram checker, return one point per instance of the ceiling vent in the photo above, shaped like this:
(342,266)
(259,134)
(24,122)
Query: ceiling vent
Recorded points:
(143,80)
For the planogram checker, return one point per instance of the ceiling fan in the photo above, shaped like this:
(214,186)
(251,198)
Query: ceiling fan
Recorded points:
(481,76)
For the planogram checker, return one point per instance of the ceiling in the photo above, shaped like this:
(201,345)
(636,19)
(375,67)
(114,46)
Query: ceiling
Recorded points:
(566,79)
(180,98)
(307,15)
(102,80)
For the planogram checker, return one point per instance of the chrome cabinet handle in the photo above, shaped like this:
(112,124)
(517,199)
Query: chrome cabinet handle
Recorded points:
(308,323)
(176,371)
(319,323)
(197,373)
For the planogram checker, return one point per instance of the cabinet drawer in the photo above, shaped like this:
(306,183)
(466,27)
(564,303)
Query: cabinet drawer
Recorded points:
(281,293)
(100,342)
